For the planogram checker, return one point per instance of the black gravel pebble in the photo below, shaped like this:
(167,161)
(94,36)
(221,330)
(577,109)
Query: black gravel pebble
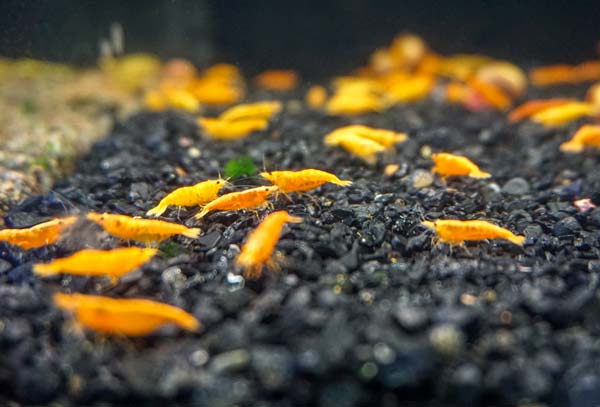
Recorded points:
(367,310)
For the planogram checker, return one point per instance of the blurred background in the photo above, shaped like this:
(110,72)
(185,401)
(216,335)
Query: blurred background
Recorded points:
(316,37)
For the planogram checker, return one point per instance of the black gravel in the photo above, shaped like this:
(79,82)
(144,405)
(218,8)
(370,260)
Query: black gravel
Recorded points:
(368,310)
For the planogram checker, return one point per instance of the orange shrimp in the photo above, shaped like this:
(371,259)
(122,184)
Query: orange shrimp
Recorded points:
(225,130)
(249,199)
(504,75)
(89,262)
(142,230)
(492,94)
(458,231)
(586,136)
(552,75)
(39,235)
(416,87)
(199,194)
(559,115)
(593,95)
(362,147)
(258,110)
(130,317)
(316,96)
(448,165)
(532,107)
(277,79)
(259,247)
(304,180)
(385,137)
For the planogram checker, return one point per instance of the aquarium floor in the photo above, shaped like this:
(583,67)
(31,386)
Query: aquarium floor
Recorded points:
(367,310)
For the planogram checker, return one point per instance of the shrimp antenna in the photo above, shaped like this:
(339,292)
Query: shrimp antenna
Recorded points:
(264,164)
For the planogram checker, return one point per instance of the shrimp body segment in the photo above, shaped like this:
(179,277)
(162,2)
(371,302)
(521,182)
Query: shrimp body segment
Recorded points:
(39,235)
(586,136)
(199,194)
(259,246)
(130,317)
(89,262)
(362,147)
(249,199)
(559,115)
(458,231)
(304,180)
(454,165)
(141,230)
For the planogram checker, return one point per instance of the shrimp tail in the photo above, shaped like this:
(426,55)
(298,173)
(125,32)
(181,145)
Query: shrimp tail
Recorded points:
(295,219)
(44,270)
(516,239)
(342,182)
(480,174)
(201,214)
(192,233)
(157,210)
(571,147)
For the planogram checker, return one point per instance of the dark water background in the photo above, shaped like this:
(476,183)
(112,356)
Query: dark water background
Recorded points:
(318,38)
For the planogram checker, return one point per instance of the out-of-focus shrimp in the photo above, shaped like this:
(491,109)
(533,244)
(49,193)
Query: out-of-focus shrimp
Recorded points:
(414,88)
(299,181)
(130,317)
(586,136)
(551,75)
(385,137)
(362,147)
(491,93)
(448,165)
(458,231)
(39,235)
(258,249)
(277,79)
(224,130)
(199,194)
(532,107)
(559,115)
(316,96)
(249,199)
(258,110)
(105,263)
(141,230)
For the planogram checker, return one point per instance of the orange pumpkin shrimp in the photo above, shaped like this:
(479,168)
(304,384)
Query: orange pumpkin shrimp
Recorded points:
(448,165)
(304,180)
(39,235)
(258,110)
(458,231)
(249,199)
(362,147)
(105,263)
(385,137)
(129,317)
(559,115)
(199,194)
(277,79)
(532,107)
(258,249)
(586,136)
(141,230)
(225,130)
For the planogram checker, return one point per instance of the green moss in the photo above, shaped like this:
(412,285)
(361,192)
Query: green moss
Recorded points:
(29,107)
(239,167)
(170,249)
